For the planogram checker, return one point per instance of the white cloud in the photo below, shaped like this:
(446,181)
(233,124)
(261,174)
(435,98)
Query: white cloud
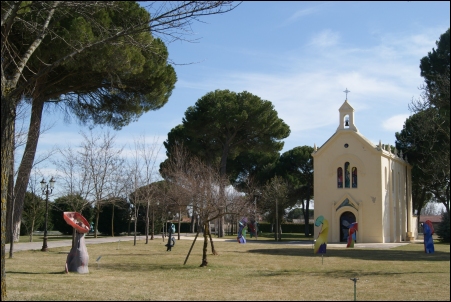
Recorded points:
(325,38)
(395,123)
(308,91)
(301,13)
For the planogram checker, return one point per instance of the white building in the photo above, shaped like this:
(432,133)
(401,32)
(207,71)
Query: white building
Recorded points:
(357,181)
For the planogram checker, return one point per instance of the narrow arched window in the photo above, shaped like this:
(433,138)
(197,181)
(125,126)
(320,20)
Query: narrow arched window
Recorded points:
(347,175)
(393,180)
(386,179)
(340,177)
(354,177)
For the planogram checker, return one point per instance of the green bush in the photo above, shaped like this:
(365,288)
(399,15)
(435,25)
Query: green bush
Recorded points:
(265,227)
(67,204)
(443,228)
(33,215)
(121,217)
(185,227)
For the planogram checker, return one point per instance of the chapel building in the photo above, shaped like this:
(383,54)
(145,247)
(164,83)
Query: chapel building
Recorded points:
(357,181)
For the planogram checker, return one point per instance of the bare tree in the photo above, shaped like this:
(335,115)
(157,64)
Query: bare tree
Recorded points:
(144,172)
(73,180)
(34,214)
(275,200)
(102,163)
(72,174)
(202,185)
(430,209)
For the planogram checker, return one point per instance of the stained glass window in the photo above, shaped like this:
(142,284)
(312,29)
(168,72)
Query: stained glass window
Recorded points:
(347,175)
(354,177)
(340,177)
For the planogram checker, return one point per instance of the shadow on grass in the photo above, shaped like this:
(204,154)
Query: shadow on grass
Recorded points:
(36,273)
(270,237)
(362,254)
(148,267)
(336,273)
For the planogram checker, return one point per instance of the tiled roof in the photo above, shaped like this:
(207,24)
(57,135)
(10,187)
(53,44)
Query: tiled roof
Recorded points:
(432,218)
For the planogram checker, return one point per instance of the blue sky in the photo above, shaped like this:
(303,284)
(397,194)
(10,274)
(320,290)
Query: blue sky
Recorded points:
(301,56)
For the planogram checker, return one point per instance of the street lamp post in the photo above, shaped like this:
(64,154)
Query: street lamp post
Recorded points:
(47,189)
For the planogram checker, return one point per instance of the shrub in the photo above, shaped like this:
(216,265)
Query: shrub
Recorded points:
(121,217)
(443,228)
(286,227)
(67,204)
(33,215)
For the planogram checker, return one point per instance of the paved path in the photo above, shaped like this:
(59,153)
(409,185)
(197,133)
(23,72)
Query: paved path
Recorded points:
(22,246)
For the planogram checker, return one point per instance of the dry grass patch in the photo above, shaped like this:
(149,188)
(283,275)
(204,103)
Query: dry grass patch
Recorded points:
(253,271)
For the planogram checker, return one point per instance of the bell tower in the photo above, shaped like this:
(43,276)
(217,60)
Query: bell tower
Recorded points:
(346,111)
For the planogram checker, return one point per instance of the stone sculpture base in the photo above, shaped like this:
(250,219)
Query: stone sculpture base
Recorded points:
(78,258)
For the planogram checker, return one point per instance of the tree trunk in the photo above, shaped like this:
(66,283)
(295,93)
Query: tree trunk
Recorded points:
(222,173)
(10,206)
(192,245)
(32,230)
(147,223)
(306,218)
(204,249)
(221,227)
(153,223)
(192,223)
(135,223)
(213,251)
(26,164)
(97,220)
(112,221)
(8,109)
(275,230)
(232,225)
(180,222)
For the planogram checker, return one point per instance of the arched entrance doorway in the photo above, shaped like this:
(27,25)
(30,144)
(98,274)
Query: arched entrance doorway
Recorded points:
(345,220)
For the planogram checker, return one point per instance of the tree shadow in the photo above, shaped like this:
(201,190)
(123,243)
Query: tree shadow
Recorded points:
(37,273)
(362,254)
(336,273)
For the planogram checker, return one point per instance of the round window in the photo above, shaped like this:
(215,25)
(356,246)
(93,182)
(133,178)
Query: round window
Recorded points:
(346,145)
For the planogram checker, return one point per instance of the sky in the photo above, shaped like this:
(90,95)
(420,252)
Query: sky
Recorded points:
(300,56)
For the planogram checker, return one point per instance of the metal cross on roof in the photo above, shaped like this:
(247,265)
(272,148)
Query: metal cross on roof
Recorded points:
(346,91)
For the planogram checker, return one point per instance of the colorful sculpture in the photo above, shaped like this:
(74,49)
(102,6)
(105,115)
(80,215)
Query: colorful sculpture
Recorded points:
(428,231)
(171,239)
(321,241)
(352,231)
(242,231)
(78,258)
(252,227)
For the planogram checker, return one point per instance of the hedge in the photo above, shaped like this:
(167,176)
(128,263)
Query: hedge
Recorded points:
(286,227)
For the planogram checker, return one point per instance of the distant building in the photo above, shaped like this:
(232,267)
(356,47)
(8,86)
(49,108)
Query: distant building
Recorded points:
(435,219)
(357,181)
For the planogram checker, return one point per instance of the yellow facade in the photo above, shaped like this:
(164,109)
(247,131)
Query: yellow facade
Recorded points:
(375,188)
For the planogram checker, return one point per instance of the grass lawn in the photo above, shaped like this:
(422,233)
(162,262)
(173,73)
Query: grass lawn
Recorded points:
(258,270)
